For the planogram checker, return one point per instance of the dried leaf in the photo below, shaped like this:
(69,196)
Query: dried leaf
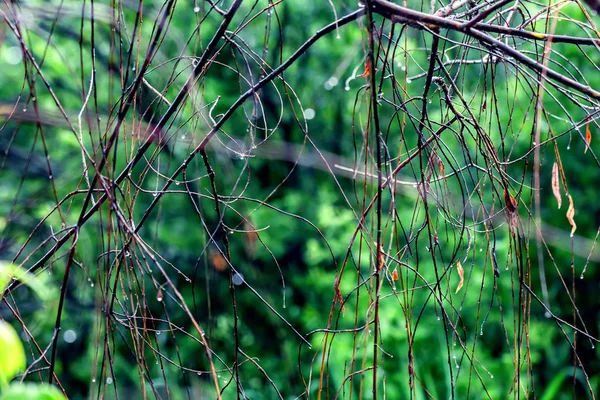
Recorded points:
(511,203)
(571,214)
(380,258)
(338,294)
(588,137)
(556,184)
(367,70)
(218,261)
(394,275)
(441,166)
(461,276)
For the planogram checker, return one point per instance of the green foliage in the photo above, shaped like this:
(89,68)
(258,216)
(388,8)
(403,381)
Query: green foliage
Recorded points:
(12,354)
(32,392)
(291,192)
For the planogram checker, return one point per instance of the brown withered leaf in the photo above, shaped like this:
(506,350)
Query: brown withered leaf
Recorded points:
(367,70)
(441,166)
(511,203)
(380,258)
(571,214)
(394,275)
(556,184)
(588,137)
(218,261)
(461,276)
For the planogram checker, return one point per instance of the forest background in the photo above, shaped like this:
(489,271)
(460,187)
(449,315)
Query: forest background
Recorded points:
(218,204)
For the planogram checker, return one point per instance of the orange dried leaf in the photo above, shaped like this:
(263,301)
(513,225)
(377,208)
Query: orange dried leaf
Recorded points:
(588,137)
(441,166)
(338,294)
(380,258)
(367,69)
(461,276)
(571,214)
(218,261)
(394,275)
(511,203)
(556,184)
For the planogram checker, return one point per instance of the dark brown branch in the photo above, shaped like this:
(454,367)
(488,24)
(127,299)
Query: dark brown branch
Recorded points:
(421,20)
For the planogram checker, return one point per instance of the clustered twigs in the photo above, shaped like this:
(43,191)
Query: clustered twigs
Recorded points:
(432,188)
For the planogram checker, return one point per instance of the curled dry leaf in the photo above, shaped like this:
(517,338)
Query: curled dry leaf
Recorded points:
(380,258)
(556,185)
(571,214)
(218,261)
(588,138)
(461,276)
(367,70)
(338,294)
(394,275)
(511,203)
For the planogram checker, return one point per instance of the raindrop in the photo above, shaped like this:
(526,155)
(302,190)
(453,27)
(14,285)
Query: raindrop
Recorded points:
(93,380)
(70,336)
(237,279)
(309,113)
(158,333)
(177,183)
(581,276)
(196,9)
(50,177)
(109,381)
(408,81)
(155,194)
(13,55)
(568,147)
(331,83)
(92,284)
(347,87)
